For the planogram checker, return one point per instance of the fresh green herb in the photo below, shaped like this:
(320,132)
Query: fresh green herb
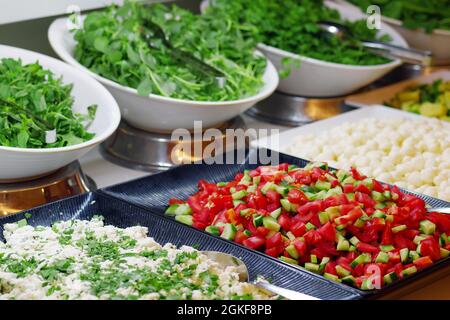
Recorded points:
(415,14)
(33,103)
(114,44)
(291,25)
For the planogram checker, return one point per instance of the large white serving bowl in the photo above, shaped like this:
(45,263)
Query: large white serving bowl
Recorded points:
(317,78)
(438,41)
(22,164)
(157,113)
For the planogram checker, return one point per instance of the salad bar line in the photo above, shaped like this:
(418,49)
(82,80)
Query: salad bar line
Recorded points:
(357,207)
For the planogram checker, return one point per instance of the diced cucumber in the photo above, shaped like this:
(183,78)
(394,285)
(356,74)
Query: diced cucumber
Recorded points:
(342,174)
(368,182)
(292,251)
(404,255)
(380,205)
(334,192)
(213,230)
(232,189)
(229,231)
(252,188)
(349,180)
(414,255)
(238,202)
(323,264)
(323,217)
(256,180)
(378,214)
(367,284)
(184,218)
(239,195)
(362,258)
(352,248)
(409,271)
(286,205)
(290,235)
(427,227)
(419,238)
(275,213)
(292,167)
(443,240)
(343,245)
(282,190)
(271,223)
(313,259)
(382,257)
(248,233)
(322,185)
(390,277)
(310,226)
(288,260)
(350,196)
(257,220)
(342,272)
(221,184)
(179,209)
(333,212)
(313,267)
(389,218)
(399,228)
(387,248)
(378,196)
(444,253)
(349,280)
(387,194)
(332,277)
(268,186)
(354,240)
(340,227)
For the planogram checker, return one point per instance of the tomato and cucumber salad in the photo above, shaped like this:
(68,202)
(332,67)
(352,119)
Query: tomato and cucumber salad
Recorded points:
(337,223)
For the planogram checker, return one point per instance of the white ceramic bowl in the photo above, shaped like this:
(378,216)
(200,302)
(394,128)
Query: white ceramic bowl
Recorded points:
(20,163)
(317,78)
(438,41)
(157,113)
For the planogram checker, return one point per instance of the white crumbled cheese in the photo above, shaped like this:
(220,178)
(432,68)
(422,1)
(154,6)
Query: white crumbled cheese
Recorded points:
(80,259)
(412,153)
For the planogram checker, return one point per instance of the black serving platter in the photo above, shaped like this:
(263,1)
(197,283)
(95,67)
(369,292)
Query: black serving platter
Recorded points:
(154,192)
(122,214)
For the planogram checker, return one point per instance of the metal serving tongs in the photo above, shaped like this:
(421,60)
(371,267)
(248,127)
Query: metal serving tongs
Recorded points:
(410,55)
(182,55)
(226,260)
(445,210)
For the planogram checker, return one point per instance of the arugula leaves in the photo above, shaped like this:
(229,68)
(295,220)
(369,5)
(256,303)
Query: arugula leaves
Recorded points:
(32,103)
(415,14)
(291,25)
(114,44)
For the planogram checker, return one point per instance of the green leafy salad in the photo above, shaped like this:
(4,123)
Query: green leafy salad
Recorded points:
(36,108)
(114,44)
(291,25)
(415,14)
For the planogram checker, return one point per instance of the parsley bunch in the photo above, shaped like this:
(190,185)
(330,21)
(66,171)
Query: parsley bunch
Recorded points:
(33,103)
(415,14)
(112,43)
(291,25)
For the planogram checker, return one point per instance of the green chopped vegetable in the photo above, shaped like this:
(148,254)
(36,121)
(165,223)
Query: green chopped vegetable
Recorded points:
(415,14)
(114,44)
(34,105)
(291,25)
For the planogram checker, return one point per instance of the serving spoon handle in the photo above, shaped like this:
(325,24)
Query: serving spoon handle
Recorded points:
(410,55)
(288,294)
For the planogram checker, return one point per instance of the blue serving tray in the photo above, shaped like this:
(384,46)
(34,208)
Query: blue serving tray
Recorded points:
(122,214)
(154,192)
